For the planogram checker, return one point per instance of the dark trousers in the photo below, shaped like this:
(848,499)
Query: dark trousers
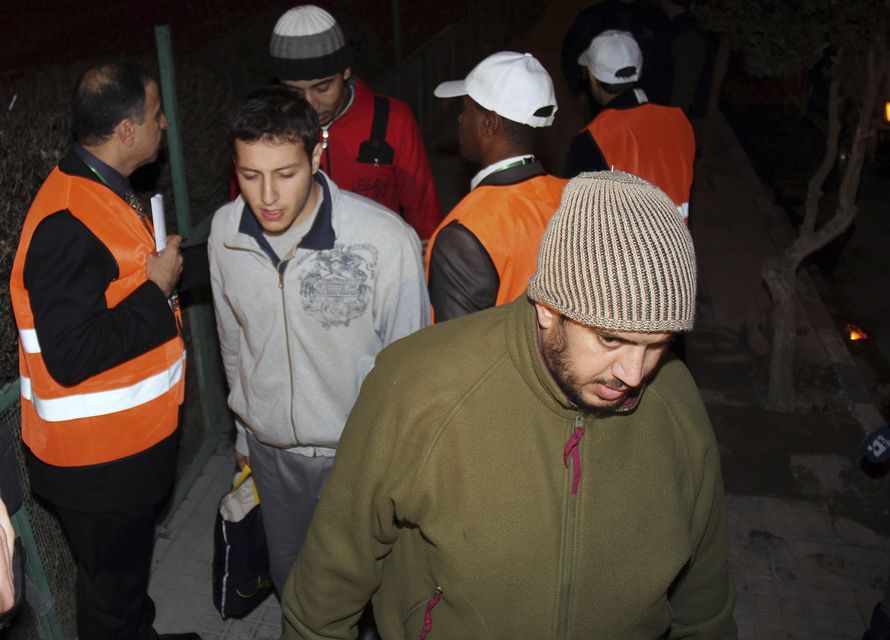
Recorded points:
(113,553)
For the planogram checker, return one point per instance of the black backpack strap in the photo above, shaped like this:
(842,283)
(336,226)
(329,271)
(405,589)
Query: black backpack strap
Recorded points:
(381,120)
(375,150)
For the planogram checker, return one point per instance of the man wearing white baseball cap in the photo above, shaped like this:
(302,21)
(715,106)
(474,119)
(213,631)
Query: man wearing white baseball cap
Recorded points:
(630,133)
(483,252)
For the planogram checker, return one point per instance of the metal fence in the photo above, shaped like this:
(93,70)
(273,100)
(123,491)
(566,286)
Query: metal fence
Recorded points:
(49,611)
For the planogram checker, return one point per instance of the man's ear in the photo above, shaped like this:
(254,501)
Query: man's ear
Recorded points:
(126,132)
(347,73)
(596,90)
(491,124)
(315,158)
(547,317)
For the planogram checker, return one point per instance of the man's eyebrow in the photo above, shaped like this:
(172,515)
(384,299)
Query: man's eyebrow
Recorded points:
(618,338)
(615,337)
(323,81)
(242,167)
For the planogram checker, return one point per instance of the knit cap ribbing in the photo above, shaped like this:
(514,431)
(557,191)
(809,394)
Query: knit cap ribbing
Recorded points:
(307,44)
(616,255)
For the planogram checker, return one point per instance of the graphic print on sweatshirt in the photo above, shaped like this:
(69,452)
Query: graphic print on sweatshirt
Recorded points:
(336,286)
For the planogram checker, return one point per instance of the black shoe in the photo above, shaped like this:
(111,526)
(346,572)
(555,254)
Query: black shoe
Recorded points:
(879,629)
(179,636)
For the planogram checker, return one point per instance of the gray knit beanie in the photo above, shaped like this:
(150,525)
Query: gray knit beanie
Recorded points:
(616,255)
(307,44)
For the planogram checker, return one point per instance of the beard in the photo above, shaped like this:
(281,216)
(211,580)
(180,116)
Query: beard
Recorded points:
(554,349)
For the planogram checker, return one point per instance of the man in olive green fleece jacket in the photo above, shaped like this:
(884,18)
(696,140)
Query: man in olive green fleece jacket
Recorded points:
(535,470)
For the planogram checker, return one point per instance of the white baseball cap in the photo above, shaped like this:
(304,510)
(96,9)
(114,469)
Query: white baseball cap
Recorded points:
(613,52)
(513,85)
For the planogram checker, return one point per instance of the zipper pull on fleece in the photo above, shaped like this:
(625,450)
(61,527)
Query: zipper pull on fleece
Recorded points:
(428,614)
(572,449)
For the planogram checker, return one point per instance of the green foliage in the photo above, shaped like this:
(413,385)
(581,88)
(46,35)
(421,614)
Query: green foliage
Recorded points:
(785,38)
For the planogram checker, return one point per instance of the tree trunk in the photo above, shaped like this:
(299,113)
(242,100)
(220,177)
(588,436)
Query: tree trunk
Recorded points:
(780,277)
(780,274)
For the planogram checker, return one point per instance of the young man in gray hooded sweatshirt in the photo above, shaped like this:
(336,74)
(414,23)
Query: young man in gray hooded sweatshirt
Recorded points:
(309,284)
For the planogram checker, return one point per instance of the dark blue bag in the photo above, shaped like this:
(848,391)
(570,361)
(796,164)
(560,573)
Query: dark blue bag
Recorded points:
(241,579)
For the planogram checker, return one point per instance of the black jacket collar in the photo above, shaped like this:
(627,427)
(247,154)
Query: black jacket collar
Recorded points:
(627,99)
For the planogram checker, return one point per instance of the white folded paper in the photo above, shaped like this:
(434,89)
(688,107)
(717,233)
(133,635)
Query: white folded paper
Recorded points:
(159,222)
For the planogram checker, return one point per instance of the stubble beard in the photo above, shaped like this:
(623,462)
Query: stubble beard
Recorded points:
(554,349)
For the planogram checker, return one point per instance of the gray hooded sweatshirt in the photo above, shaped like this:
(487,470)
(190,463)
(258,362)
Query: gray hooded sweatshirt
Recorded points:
(299,335)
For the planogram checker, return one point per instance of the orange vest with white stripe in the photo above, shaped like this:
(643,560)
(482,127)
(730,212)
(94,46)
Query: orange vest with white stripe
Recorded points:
(653,142)
(509,222)
(118,412)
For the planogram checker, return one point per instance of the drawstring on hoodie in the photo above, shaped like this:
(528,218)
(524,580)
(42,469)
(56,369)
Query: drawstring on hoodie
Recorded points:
(572,448)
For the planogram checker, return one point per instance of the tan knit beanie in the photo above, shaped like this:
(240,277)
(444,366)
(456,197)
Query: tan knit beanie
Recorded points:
(616,255)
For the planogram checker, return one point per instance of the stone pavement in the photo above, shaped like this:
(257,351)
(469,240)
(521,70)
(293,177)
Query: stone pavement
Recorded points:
(181,576)
(801,571)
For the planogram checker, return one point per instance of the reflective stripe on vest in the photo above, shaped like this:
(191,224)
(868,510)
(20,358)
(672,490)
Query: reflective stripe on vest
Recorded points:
(28,338)
(102,403)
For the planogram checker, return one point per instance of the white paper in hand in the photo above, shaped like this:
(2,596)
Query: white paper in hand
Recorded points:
(157,219)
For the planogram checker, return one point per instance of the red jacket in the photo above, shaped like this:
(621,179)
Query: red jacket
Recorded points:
(406,186)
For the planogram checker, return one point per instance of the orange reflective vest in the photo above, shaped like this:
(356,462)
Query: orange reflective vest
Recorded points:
(509,221)
(119,412)
(653,142)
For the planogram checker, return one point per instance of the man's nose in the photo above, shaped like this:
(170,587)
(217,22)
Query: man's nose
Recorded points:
(629,366)
(270,193)
(313,101)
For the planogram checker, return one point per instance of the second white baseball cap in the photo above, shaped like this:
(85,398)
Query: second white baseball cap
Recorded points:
(613,57)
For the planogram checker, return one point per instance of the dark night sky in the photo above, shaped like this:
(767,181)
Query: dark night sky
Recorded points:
(59,31)
(52,32)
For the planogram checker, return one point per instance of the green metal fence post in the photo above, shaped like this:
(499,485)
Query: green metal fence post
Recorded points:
(48,623)
(174,138)
(9,393)
(200,317)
